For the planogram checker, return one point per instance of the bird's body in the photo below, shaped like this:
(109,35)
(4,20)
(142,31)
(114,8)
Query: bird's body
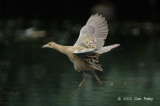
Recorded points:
(80,63)
(85,52)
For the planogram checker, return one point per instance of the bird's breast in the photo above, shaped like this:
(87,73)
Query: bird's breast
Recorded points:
(78,63)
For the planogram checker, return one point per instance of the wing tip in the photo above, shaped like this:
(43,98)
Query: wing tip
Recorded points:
(116,45)
(95,14)
(98,19)
(98,15)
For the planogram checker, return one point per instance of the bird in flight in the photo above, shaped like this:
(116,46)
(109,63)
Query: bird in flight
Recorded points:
(85,52)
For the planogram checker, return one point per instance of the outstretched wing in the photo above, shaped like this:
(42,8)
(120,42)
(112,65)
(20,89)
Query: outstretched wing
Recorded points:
(93,34)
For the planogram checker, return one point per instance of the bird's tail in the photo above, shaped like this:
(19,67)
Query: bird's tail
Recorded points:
(107,48)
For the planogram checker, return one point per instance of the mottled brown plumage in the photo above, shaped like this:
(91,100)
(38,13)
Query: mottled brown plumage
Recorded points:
(85,52)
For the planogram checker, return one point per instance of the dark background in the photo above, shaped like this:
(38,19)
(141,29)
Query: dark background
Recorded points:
(32,76)
(42,9)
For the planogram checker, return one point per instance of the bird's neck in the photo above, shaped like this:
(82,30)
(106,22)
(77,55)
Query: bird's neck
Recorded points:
(60,48)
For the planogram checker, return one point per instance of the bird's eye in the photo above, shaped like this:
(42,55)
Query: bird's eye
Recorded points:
(49,44)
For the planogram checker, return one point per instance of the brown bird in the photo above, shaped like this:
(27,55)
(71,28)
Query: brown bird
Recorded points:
(85,52)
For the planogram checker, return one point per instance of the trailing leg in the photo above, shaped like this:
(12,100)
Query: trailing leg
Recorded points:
(80,85)
(95,75)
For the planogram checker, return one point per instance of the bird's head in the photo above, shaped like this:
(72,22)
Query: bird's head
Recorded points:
(49,45)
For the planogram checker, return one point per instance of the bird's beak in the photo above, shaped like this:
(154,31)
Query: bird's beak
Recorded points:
(44,46)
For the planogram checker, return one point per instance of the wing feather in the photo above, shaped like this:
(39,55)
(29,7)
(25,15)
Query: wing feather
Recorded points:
(93,34)
(107,48)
